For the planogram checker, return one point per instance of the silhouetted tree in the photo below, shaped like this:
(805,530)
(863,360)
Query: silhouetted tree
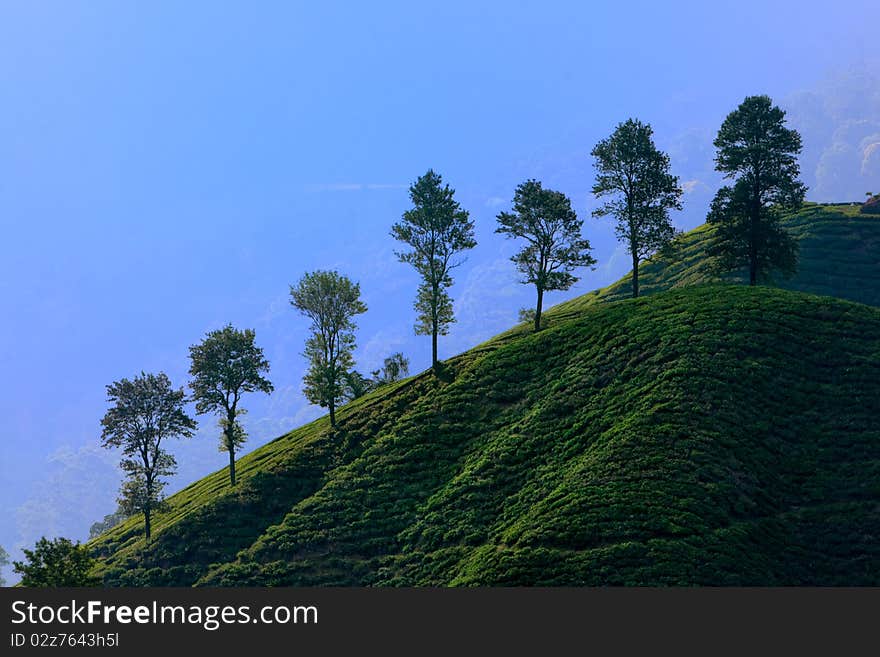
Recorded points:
(636,175)
(225,365)
(436,229)
(552,232)
(145,412)
(331,301)
(759,154)
(56,563)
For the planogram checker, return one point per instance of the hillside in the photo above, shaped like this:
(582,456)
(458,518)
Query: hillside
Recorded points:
(706,435)
(839,257)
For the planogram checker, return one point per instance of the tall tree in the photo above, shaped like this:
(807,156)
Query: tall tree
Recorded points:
(759,154)
(145,412)
(331,301)
(56,563)
(225,365)
(635,174)
(554,247)
(436,229)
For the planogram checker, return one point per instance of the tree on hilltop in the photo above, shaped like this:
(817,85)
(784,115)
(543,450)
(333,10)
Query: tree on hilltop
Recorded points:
(635,174)
(56,563)
(225,365)
(759,154)
(553,247)
(146,412)
(331,301)
(436,229)
(4,561)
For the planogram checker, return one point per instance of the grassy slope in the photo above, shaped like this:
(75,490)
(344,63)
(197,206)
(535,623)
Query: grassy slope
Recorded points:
(839,257)
(672,439)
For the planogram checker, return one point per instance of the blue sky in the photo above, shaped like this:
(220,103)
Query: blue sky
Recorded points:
(165,169)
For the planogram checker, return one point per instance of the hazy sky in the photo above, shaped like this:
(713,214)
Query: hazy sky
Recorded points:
(166,168)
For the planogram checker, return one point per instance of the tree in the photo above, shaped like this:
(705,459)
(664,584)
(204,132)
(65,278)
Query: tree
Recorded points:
(554,247)
(145,412)
(526,315)
(4,561)
(225,365)
(394,368)
(757,152)
(355,385)
(436,229)
(636,175)
(331,301)
(109,522)
(56,563)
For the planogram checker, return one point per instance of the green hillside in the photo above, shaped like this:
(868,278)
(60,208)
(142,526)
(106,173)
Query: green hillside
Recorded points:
(709,434)
(839,256)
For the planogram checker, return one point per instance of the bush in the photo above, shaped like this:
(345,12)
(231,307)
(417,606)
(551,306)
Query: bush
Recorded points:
(56,563)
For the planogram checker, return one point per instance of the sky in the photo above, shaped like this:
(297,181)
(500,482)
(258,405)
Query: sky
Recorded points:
(167,168)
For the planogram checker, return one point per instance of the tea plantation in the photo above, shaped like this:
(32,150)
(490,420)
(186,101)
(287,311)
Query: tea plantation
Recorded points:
(707,433)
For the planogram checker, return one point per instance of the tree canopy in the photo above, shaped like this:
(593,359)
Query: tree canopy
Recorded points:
(635,175)
(436,229)
(553,248)
(56,563)
(225,365)
(759,154)
(331,301)
(394,368)
(146,412)
(108,522)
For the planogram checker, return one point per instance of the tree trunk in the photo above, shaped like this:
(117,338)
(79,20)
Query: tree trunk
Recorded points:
(148,508)
(538,307)
(230,443)
(332,408)
(635,276)
(753,258)
(753,238)
(434,361)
